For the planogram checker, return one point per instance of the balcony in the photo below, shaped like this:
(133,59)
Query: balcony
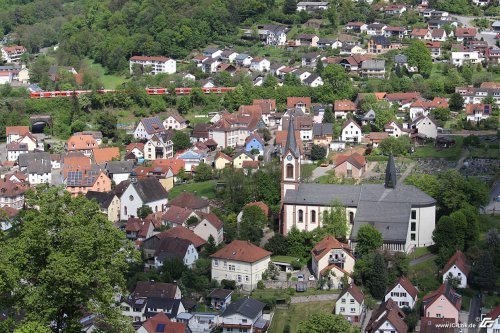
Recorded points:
(340,260)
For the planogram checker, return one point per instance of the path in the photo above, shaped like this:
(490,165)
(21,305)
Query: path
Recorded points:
(494,205)
(474,313)
(313,298)
(407,172)
(463,156)
(321,171)
(268,233)
(423,258)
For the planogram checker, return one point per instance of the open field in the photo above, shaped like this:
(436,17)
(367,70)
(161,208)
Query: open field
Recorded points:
(204,189)
(452,153)
(109,81)
(297,313)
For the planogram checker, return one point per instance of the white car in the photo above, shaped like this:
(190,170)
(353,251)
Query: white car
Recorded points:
(311,278)
(300,277)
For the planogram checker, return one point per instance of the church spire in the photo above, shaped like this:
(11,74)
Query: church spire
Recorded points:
(390,173)
(291,142)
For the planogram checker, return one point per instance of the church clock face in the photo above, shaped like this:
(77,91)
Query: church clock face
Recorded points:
(289,157)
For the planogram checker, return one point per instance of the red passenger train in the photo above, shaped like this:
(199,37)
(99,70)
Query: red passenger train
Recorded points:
(149,91)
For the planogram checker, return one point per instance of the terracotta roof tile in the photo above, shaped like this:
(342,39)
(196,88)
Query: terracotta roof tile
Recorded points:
(212,218)
(239,250)
(328,243)
(354,291)
(175,164)
(102,155)
(261,205)
(430,325)
(344,105)
(407,285)
(292,101)
(9,188)
(17,130)
(355,159)
(183,233)
(459,260)
(177,215)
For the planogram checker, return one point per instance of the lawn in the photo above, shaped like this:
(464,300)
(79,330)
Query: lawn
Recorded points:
(485,153)
(420,252)
(424,275)
(109,81)
(297,313)
(204,189)
(452,153)
(286,259)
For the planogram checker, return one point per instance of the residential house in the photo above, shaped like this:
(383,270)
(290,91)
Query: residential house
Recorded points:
(343,107)
(302,103)
(25,159)
(108,202)
(444,302)
(228,56)
(241,157)
(350,166)
(12,54)
(373,68)
(199,133)
(159,146)
(147,127)
(228,68)
(244,315)
(313,80)
(242,262)
(210,65)
(175,248)
(477,95)
(177,216)
(465,34)
(494,315)
(395,32)
(31,141)
(12,194)
(403,292)
(311,59)
(329,43)
(467,57)
(434,48)
(425,125)
(209,225)
(232,129)
(351,132)
(423,107)
(375,138)
(39,171)
(141,192)
(477,112)
(331,259)
(356,27)
(492,56)
(395,10)
(395,130)
(151,244)
(352,50)
(138,229)
(301,74)
(222,161)
(176,122)
(84,143)
(351,304)
(191,201)
(421,33)
(14,133)
(81,181)
(495,26)
(303,124)
(135,150)
(457,267)
(272,34)
(107,154)
(436,325)
(119,171)
(254,141)
(387,318)
(220,298)
(260,64)
(243,60)
(306,40)
(160,323)
(212,53)
(375,29)
(191,159)
(368,117)
(438,35)
(199,322)
(156,65)
(439,24)
(322,133)
(15,149)
(312,6)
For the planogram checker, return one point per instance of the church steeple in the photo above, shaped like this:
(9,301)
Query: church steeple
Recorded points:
(291,142)
(390,173)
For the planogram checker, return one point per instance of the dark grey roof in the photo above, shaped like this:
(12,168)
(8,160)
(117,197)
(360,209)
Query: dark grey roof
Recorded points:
(210,50)
(103,198)
(247,307)
(39,167)
(326,40)
(381,40)
(322,129)
(152,124)
(24,159)
(370,115)
(150,189)
(310,79)
(373,64)
(391,176)
(171,248)
(220,293)
(170,305)
(120,188)
(119,167)
(400,59)
(291,143)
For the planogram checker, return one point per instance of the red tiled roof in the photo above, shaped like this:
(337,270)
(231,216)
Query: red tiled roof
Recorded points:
(402,96)
(448,292)
(354,291)
(138,145)
(407,285)
(344,105)
(355,159)
(145,58)
(183,233)
(81,142)
(292,101)
(459,260)
(18,130)
(107,154)
(328,243)
(212,218)
(494,85)
(239,250)
(177,215)
(355,24)
(419,32)
(152,324)
(9,211)
(261,205)
(250,164)
(437,325)
(14,49)
(437,102)
(222,155)
(189,200)
(271,102)
(465,32)
(433,45)
(495,313)
(378,136)
(175,164)
(471,108)
(9,188)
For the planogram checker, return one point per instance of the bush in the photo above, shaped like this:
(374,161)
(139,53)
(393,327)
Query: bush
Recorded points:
(260,285)
(228,284)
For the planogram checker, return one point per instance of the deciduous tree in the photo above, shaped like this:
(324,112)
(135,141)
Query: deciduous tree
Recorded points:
(419,56)
(325,323)
(368,239)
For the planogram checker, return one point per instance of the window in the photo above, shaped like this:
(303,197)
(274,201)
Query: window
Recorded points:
(351,301)
(413,214)
(313,216)
(239,278)
(232,267)
(343,301)
(353,310)
(289,170)
(216,262)
(413,237)
(413,226)
(131,197)
(244,320)
(351,217)
(342,309)
(247,278)
(225,263)
(301,215)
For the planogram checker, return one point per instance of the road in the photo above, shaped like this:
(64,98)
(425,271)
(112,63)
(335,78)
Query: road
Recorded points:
(488,36)
(493,205)
(321,171)
(474,313)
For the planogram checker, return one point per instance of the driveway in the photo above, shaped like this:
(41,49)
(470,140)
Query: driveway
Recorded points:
(423,258)
(488,36)
(321,171)
(474,313)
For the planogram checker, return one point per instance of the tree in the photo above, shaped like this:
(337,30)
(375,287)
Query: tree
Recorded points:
(484,272)
(383,114)
(291,79)
(325,323)
(32,327)
(106,123)
(332,15)
(277,245)
(192,220)
(270,81)
(174,268)
(289,6)
(369,239)
(70,267)
(454,281)
(335,220)
(441,114)
(396,146)
(252,222)
(377,279)
(456,102)
(337,81)
(144,211)
(180,140)
(210,247)
(328,116)
(183,105)
(265,134)
(203,172)
(319,68)
(318,152)
(419,56)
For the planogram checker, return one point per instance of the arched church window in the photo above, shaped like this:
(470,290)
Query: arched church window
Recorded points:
(301,215)
(289,170)
(313,216)
(351,217)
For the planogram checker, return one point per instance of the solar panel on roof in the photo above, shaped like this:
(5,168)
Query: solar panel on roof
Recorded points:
(160,328)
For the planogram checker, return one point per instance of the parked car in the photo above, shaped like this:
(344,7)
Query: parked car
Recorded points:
(311,278)
(300,277)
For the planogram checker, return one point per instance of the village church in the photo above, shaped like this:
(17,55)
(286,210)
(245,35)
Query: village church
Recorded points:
(404,215)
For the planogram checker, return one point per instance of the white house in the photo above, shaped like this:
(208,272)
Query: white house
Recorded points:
(242,262)
(212,53)
(387,318)
(159,146)
(457,267)
(243,60)
(139,192)
(14,133)
(176,122)
(351,304)
(119,171)
(395,130)
(425,125)
(477,112)
(209,225)
(494,315)
(403,292)
(170,248)
(260,64)
(244,315)
(311,6)
(39,172)
(468,57)
(12,53)
(156,64)
(147,127)
(14,149)
(313,80)
(351,132)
